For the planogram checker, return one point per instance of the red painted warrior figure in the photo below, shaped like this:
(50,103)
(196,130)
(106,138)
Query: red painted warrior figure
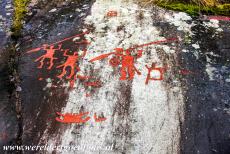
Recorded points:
(48,55)
(70,62)
(152,68)
(127,66)
(127,62)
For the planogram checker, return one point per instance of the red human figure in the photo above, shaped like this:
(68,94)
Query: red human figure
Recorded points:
(73,118)
(70,62)
(127,66)
(99,119)
(152,68)
(127,62)
(48,55)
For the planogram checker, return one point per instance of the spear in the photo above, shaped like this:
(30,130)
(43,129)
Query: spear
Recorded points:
(138,46)
(34,50)
(39,48)
(101,56)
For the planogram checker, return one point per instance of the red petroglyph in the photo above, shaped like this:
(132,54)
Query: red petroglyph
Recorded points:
(120,50)
(71,59)
(121,57)
(115,61)
(68,38)
(101,57)
(73,118)
(50,51)
(128,69)
(154,68)
(112,13)
(139,53)
(78,118)
(70,62)
(126,60)
(99,119)
(155,42)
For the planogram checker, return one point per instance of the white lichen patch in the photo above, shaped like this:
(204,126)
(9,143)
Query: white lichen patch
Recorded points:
(180,20)
(53,10)
(196,46)
(213,23)
(210,71)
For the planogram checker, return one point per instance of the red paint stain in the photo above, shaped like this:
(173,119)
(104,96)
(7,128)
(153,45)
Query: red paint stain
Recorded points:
(99,119)
(93,84)
(65,39)
(112,13)
(155,42)
(87,95)
(72,81)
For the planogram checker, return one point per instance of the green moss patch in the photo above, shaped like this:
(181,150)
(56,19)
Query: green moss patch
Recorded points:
(194,10)
(19,15)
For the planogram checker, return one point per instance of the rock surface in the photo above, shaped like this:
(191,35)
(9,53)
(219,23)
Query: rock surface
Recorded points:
(186,112)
